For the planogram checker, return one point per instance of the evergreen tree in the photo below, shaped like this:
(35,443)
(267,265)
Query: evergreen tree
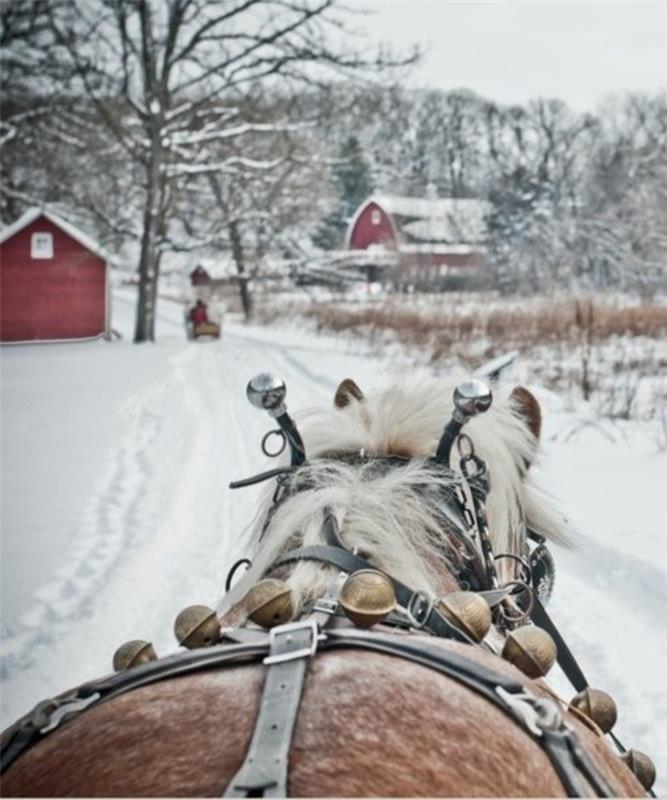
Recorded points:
(353,184)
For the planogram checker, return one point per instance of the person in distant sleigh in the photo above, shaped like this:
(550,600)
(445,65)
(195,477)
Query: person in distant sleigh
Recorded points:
(198,314)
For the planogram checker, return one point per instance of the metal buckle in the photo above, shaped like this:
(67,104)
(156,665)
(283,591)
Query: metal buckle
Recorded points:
(48,714)
(287,630)
(328,602)
(419,609)
(536,713)
(327,605)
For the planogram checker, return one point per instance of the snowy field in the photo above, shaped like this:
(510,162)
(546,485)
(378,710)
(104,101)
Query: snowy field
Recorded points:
(116,512)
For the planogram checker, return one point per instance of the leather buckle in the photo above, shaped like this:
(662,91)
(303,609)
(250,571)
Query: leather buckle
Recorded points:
(288,630)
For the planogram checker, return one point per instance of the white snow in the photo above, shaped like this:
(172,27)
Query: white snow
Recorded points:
(116,512)
(446,219)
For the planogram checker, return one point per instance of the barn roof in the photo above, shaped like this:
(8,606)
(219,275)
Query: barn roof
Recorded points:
(33,214)
(446,220)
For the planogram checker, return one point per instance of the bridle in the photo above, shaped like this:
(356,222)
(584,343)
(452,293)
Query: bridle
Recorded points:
(461,497)
(418,611)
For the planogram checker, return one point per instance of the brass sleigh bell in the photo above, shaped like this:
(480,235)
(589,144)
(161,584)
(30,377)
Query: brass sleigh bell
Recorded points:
(269,603)
(367,597)
(597,706)
(642,767)
(467,611)
(133,654)
(197,626)
(531,649)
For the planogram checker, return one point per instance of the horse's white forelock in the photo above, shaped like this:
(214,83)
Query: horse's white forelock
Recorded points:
(384,516)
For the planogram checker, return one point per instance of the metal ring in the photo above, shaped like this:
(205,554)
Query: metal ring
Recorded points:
(469,450)
(526,612)
(276,453)
(419,609)
(232,571)
(525,578)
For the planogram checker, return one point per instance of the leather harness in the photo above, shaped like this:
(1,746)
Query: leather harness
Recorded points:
(286,651)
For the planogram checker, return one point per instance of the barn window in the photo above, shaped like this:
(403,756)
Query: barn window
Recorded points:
(376,216)
(41,245)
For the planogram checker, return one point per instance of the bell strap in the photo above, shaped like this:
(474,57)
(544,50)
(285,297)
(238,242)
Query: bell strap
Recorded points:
(558,741)
(34,726)
(556,746)
(568,663)
(506,693)
(419,607)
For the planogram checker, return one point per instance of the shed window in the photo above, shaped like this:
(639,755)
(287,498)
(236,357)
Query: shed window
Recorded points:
(41,245)
(376,216)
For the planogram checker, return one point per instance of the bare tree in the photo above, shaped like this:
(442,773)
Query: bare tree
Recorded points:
(169,78)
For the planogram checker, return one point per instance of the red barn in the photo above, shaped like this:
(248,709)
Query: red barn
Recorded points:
(423,232)
(54,281)
(199,277)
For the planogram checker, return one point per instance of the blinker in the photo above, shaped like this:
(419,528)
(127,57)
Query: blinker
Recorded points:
(367,597)
(531,649)
(134,653)
(197,626)
(269,603)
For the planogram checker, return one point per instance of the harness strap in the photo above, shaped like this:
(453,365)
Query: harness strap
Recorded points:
(566,660)
(556,747)
(419,607)
(264,770)
(506,693)
(28,731)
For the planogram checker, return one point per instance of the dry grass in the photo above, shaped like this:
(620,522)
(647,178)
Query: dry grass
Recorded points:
(510,325)
(599,349)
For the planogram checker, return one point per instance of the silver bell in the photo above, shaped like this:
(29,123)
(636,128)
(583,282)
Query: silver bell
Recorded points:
(472,397)
(266,391)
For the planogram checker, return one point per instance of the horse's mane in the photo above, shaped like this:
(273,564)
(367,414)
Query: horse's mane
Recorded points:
(382,513)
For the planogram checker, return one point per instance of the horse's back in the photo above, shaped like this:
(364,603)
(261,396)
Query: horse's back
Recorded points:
(368,724)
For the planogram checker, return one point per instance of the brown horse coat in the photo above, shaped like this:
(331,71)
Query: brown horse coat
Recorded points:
(369,725)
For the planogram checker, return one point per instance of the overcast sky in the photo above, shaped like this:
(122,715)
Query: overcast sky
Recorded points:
(510,51)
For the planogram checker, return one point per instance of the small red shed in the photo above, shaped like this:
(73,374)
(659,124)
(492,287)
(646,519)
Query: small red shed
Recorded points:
(54,281)
(199,277)
(422,231)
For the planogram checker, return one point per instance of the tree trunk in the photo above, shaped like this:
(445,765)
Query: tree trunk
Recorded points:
(150,256)
(237,252)
(144,330)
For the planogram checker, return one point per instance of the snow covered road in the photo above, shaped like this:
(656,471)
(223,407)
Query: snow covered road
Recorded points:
(116,512)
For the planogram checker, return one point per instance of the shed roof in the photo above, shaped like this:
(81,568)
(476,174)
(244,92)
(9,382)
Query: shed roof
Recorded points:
(35,213)
(448,220)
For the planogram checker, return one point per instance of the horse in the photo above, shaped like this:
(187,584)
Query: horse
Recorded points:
(374,645)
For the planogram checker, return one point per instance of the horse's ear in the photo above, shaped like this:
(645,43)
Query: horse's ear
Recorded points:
(346,392)
(526,405)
